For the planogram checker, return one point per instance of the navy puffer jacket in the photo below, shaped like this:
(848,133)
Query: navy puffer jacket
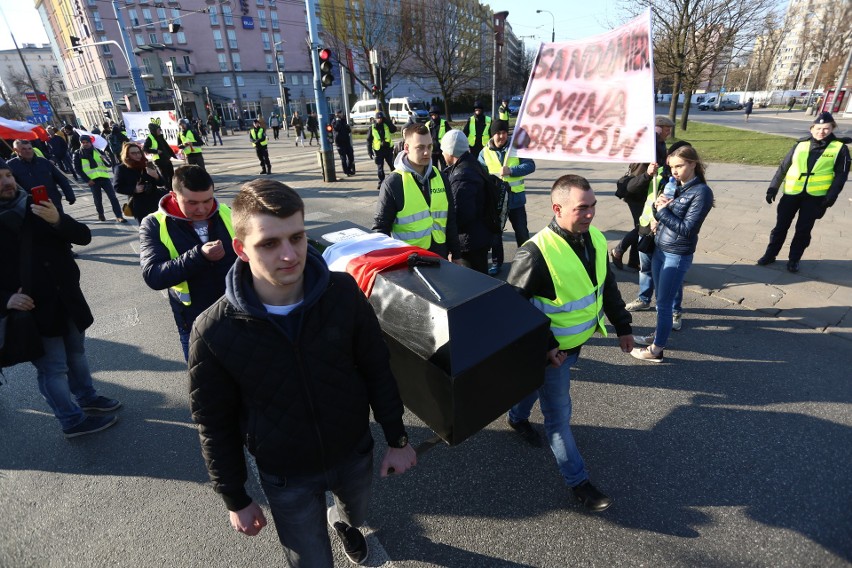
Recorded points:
(681,221)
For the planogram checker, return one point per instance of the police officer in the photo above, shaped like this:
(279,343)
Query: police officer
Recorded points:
(812,175)
(190,145)
(477,128)
(503,111)
(380,144)
(257,134)
(437,128)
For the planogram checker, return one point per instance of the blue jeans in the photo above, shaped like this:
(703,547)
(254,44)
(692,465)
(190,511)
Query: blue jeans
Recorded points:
(299,508)
(63,371)
(646,284)
(669,271)
(103,184)
(184,341)
(555,400)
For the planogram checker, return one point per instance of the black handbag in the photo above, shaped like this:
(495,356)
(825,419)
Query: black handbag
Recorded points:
(646,244)
(20,340)
(621,186)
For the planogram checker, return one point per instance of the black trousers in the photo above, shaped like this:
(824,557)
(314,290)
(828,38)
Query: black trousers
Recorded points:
(263,156)
(474,259)
(809,208)
(167,170)
(196,159)
(631,239)
(518,219)
(382,156)
(347,159)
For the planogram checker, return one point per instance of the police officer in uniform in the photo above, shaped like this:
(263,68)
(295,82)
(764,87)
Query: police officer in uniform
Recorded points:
(812,176)
(190,146)
(437,128)
(503,111)
(380,144)
(414,203)
(259,141)
(477,128)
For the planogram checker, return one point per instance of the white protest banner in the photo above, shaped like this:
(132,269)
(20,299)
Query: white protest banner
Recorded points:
(136,124)
(591,100)
(98,141)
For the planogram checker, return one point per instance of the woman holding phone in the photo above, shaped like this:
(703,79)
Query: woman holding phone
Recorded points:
(677,221)
(139,179)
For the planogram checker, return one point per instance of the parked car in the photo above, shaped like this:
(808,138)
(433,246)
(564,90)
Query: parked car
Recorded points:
(363,112)
(725,104)
(515,105)
(705,105)
(403,108)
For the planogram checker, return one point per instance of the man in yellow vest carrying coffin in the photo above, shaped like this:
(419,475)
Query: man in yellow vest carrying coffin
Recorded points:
(415,204)
(812,176)
(186,247)
(564,272)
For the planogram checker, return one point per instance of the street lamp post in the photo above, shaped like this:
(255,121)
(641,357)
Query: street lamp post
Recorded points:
(135,74)
(176,96)
(280,74)
(553,27)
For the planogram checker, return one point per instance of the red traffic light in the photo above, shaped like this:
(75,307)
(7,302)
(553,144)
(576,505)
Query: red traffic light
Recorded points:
(324,54)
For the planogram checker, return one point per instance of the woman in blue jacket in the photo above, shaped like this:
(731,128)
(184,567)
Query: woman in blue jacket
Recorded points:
(676,224)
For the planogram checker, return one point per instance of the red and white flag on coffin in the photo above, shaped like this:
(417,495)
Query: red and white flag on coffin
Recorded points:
(591,100)
(364,255)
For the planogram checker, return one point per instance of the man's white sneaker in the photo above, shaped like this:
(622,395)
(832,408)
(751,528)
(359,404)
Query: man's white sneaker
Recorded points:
(643,339)
(645,354)
(638,306)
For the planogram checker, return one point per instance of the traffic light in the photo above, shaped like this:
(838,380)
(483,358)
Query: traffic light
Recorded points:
(326,78)
(107,114)
(375,90)
(286,95)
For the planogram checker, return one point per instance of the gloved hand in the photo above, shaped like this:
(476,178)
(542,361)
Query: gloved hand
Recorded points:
(372,155)
(828,201)
(770,195)
(71,200)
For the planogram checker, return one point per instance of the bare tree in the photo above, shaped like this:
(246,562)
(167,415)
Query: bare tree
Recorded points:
(828,31)
(447,43)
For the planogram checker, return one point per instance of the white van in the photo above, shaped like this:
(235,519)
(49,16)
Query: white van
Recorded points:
(363,111)
(400,109)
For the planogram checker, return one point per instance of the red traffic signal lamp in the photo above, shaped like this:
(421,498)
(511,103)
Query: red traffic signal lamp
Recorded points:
(326,78)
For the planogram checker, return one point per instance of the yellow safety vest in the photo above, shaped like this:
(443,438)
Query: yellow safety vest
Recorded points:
(495,166)
(577,310)
(188,136)
(503,113)
(256,135)
(182,290)
(154,143)
(38,152)
(471,131)
(377,138)
(819,179)
(442,129)
(648,210)
(419,224)
(101,170)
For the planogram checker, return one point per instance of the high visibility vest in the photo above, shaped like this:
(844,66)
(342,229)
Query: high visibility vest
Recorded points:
(377,138)
(503,113)
(495,166)
(154,143)
(577,311)
(101,170)
(259,134)
(648,210)
(182,290)
(419,224)
(442,129)
(471,131)
(38,152)
(188,136)
(819,179)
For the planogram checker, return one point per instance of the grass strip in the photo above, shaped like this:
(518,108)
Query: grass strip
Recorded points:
(716,143)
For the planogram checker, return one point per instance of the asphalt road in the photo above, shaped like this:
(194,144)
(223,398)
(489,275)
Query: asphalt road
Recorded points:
(735,451)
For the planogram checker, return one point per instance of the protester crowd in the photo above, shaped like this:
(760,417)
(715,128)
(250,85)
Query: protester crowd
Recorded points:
(255,305)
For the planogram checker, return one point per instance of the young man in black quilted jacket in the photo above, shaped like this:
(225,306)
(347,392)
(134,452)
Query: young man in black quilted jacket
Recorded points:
(289,364)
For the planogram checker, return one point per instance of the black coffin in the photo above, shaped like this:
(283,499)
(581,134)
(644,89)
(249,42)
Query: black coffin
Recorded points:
(463,360)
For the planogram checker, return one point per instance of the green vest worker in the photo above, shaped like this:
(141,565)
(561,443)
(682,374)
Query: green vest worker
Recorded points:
(563,270)
(189,144)
(437,128)
(414,204)
(258,139)
(503,111)
(380,144)
(477,128)
(812,176)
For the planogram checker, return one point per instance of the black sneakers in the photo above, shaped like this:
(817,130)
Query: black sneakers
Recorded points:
(525,431)
(354,543)
(589,496)
(90,425)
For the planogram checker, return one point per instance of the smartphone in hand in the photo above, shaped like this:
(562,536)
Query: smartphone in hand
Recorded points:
(39,194)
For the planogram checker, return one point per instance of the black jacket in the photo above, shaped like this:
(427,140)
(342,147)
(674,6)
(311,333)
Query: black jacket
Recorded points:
(55,276)
(206,279)
(89,155)
(637,187)
(841,167)
(342,134)
(385,129)
(295,390)
(681,221)
(41,171)
(530,276)
(467,182)
(124,181)
(392,200)
(163,151)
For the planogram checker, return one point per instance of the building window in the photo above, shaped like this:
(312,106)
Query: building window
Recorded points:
(140,40)
(228,15)
(274,16)
(214,15)
(270,63)
(161,17)
(111,68)
(99,25)
(105,47)
(186,61)
(176,16)
(276,38)
(181,37)
(146,15)
(235,59)
(261,18)
(134,17)
(294,79)
(223,62)
(240,82)
(167,38)
(306,80)
(232,39)
(116,88)
(217,39)
(226,81)
(265,39)
(152,38)
(259,2)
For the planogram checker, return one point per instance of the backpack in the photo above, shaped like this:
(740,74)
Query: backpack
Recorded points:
(496,201)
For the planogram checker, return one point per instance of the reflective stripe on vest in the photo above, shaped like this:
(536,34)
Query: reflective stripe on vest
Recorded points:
(817,180)
(419,224)
(495,166)
(188,136)
(99,171)
(154,143)
(442,129)
(182,290)
(471,131)
(256,135)
(577,310)
(377,138)
(648,210)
